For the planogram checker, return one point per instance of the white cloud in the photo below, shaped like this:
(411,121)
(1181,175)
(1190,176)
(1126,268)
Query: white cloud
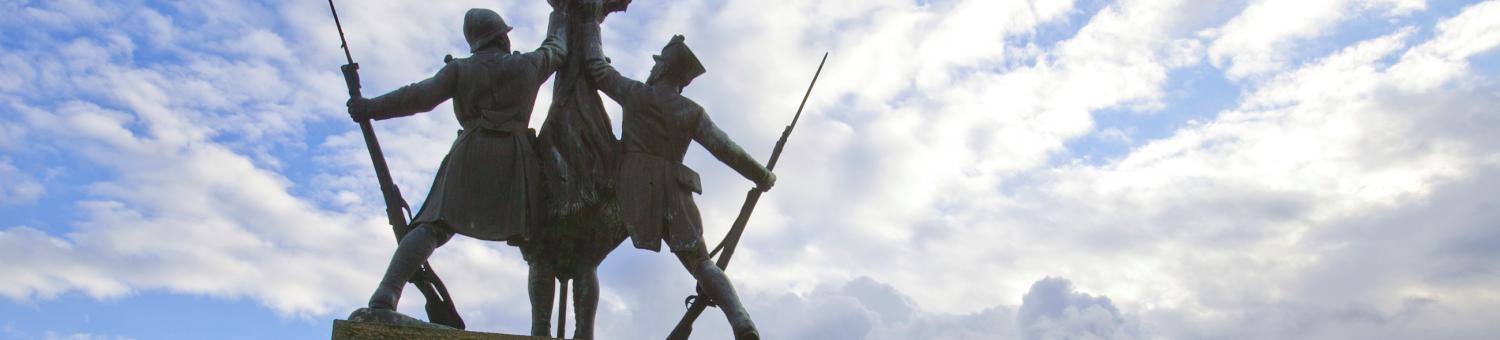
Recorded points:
(185,208)
(1267,36)
(1342,197)
(863,308)
(1239,198)
(1194,222)
(1445,57)
(192,202)
(82,336)
(17,186)
(1053,310)
(892,181)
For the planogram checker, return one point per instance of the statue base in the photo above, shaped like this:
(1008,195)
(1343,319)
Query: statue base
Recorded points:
(348,330)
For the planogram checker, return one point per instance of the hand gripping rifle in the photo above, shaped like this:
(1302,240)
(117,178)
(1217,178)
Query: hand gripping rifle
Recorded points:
(696,304)
(440,309)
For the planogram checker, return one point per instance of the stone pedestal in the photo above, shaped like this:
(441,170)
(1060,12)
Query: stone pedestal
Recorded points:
(349,330)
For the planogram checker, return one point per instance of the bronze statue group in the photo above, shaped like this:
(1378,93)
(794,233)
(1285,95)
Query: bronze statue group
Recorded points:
(572,193)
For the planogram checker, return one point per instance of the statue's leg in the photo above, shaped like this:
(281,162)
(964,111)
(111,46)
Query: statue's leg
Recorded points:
(411,252)
(717,286)
(540,284)
(585,302)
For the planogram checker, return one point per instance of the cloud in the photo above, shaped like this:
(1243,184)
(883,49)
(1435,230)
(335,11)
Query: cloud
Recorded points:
(1237,198)
(1270,34)
(863,308)
(17,186)
(82,336)
(186,206)
(195,135)
(1053,310)
(1340,195)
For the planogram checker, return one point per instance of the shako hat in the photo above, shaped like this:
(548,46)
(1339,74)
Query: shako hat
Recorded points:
(681,63)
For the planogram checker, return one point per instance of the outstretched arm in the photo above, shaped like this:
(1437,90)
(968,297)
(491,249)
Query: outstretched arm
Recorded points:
(718,144)
(421,96)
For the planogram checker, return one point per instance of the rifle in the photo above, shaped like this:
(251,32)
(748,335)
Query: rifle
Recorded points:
(440,309)
(697,304)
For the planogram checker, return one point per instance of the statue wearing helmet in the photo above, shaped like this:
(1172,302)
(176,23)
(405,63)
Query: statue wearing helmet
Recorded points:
(489,186)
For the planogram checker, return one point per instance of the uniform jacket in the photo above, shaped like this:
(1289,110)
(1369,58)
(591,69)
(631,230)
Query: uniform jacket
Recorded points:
(489,185)
(655,189)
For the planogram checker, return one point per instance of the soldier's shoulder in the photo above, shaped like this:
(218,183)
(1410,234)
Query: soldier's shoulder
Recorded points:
(495,62)
(453,67)
(458,62)
(485,58)
(682,102)
(531,56)
(678,105)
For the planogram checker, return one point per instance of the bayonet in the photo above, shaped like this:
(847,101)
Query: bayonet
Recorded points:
(696,304)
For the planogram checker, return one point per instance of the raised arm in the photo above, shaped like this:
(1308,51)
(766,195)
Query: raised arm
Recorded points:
(421,96)
(554,50)
(718,144)
(614,85)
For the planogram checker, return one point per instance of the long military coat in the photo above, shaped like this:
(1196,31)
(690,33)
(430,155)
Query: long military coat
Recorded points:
(490,185)
(655,189)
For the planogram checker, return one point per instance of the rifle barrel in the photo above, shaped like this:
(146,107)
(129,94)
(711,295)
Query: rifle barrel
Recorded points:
(753,197)
(684,326)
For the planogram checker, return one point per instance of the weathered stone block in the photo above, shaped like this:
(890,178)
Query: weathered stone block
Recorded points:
(350,330)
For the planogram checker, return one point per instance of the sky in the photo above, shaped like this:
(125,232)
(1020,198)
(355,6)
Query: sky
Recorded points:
(1049,169)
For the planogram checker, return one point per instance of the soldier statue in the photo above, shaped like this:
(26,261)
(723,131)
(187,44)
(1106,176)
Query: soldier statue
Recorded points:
(655,189)
(489,186)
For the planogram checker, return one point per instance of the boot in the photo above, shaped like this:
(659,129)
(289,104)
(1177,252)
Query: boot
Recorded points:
(413,250)
(717,286)
(390,317)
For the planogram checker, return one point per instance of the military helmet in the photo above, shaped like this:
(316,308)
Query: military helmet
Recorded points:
(680,61)
(482,27)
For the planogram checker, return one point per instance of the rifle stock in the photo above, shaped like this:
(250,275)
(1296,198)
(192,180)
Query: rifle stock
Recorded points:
(440,308)
(698,304)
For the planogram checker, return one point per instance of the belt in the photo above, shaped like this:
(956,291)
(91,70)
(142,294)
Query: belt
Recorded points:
(497,121)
